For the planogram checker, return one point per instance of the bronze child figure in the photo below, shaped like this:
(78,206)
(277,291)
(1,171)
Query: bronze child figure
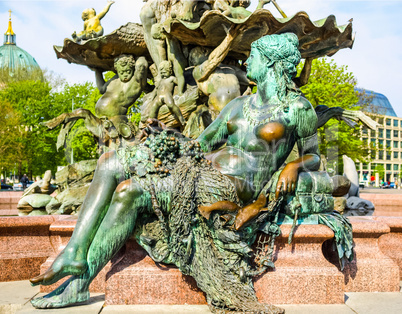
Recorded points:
(164,94)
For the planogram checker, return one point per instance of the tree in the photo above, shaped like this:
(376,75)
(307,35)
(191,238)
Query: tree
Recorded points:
(10,136)
(35,102)
(333,86)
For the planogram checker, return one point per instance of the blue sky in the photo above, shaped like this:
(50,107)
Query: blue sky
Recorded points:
(375,60)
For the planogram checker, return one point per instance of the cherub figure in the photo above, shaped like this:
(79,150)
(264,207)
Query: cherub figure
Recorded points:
(164,93)
(110,123)
(123,89)
(92,26)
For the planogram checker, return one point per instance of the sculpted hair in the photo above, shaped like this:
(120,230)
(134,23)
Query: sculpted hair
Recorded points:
(124,60)
(165,65)
(282,49)
(282,52)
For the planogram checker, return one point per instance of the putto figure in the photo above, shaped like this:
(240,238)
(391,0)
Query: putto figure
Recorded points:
(164,94)
(110,125)
(92,25)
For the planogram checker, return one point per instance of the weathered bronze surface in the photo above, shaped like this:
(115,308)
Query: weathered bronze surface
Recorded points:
(198,213)
(200,204)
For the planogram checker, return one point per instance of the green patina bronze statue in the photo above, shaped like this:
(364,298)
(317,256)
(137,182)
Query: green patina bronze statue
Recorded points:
(110,125)
(202,213)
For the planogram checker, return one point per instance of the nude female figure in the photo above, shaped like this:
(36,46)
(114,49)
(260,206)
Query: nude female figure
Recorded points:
(259,132)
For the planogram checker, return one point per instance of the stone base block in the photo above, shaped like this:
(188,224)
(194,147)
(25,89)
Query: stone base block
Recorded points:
(19,267)
(371,270)
(24,246)
(385,204)
(302,275)
(137,279)
(391,243)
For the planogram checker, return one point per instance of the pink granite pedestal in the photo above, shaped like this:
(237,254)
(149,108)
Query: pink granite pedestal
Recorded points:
(385,204)
(24,246)
(302,275)
(8,203)
(137,279)
(371,270)
(391,243)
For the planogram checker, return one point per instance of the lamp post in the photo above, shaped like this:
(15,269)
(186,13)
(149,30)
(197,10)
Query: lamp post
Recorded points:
(72,149)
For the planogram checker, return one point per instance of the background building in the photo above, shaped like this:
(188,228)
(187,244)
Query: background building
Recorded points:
(386,143)
(15,62)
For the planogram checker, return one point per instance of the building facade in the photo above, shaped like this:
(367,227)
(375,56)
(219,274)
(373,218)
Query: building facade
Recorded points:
(384,144)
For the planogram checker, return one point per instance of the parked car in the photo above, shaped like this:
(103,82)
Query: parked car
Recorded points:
(18,186)
(385,186)
(392,185)
(6,187)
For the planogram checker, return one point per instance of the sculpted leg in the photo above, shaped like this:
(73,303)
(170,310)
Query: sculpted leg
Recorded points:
(148,18)
(174,110)
(153,113)
(117,226)
(73,259)
(179,62)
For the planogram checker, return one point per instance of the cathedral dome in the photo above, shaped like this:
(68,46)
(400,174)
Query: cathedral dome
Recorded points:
(15,59)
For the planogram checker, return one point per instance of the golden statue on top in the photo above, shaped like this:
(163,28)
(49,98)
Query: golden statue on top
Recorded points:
(92,25)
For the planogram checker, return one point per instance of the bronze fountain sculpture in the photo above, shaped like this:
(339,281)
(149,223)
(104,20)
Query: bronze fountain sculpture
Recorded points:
(199,204)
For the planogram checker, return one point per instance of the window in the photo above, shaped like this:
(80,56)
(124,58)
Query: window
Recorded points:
(401,155)
(388,134)
(381,143)
(401,145)
(388,122)
(365,166)
(372,154)
(396,133)
(396,167)
(381,121)
(372,133)
(396,123)
(388,166)
(396,155)
(389,156)
(372,142)
(365,141)
(400,123)
(365,130)
(381,155)
(388,144)
(380,133)
(396,144)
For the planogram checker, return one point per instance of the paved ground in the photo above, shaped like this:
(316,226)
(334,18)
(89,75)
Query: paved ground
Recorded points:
(15,296)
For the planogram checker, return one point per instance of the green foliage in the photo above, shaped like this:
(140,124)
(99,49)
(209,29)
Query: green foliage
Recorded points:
(35,102)
(380,170)
(109,75)
(333,86)
(10,135)
(16,75)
